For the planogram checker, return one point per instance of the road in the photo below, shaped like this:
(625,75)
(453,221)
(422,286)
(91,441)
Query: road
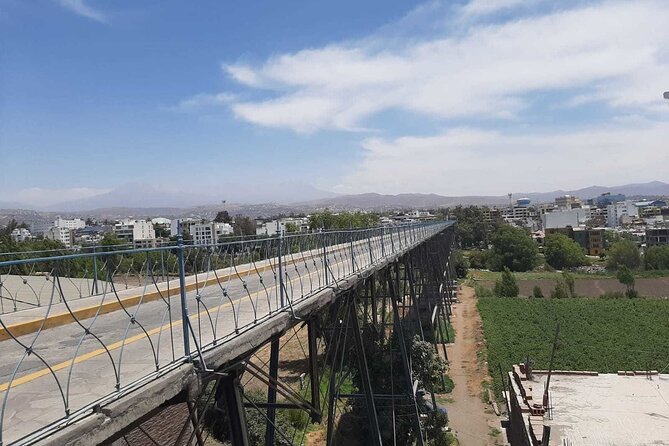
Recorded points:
(71,366)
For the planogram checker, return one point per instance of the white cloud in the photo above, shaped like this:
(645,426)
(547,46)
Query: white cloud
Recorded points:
(203,100)
(485,7)
(618,52)
(38,196)
(81,8)
(466,161)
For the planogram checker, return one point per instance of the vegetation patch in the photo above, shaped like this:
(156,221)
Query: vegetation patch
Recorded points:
(604,335)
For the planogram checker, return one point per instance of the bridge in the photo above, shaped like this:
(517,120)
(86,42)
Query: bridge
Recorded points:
(149,346)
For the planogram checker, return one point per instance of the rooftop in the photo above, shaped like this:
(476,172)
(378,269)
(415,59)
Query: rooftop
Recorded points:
(608,409)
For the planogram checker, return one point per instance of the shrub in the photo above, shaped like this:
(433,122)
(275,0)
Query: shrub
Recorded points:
(461,264)
(482,291)
(507,285)
(626,277)
(561,290)
(536,291)
(612,295)
(569,281)
(478,259)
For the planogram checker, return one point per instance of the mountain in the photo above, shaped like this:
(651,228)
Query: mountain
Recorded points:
(380,202)
(140,196)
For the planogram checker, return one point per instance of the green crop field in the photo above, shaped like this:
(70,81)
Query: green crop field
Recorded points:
(595,334)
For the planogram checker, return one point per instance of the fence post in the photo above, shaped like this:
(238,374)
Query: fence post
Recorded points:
(325,258)
(182,287)
(352,252)
(383,242)
(369,244)
(282,301)
(95,270)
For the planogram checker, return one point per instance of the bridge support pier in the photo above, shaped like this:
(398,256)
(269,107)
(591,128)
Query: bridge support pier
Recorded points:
(229,395)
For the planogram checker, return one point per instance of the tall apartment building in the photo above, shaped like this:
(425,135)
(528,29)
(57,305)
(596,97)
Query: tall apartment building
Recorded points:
(618,210)
(60,234)
(74,223)
(138,232)
(209,233)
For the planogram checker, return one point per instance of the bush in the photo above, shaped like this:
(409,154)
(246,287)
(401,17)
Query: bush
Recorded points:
(460,263)
(623,253)
(562,252)
(478,259)
(569,281)
(507,285)
(512,248)
(536,291)
(482,291)
(561,290)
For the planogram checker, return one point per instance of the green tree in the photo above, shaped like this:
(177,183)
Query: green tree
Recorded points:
(461,263)
(478,259)
(536,292)
(244,226)
(223,217)
(507,285)
(570,282)
(562,252)
(626,277)
(624,252)
(656,257)
(561,290)
(292,227)
(512,248)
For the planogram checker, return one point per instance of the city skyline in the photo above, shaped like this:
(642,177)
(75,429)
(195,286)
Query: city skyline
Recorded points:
(385,97)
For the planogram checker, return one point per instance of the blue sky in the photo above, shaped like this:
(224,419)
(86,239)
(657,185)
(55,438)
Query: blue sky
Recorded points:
(478,97)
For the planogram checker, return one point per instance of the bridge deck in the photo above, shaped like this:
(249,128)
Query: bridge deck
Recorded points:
(138,332)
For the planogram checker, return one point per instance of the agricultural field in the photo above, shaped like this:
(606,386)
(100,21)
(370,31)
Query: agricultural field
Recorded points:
(595,334)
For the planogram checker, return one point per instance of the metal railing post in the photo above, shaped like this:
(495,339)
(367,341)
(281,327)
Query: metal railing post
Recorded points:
(352,252)
(369,244)
(282,300)
(383,241)
(182,288)
(95,271)
(325,258)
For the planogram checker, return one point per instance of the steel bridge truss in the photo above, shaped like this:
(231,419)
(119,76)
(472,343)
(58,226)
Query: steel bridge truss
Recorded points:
(408,298)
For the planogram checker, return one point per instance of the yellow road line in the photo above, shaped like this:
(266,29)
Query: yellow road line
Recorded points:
(119,344)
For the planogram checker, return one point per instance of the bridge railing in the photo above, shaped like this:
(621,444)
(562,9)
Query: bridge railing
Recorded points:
(83,329)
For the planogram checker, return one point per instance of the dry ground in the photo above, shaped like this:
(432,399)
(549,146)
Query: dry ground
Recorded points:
(649,287)
(472,421)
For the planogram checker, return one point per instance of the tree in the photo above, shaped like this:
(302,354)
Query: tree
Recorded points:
(626,277)
(161,231)
(623,253)
(561,290)
(536,292)
(478,259)
(244,226)
(223,217)
(90,222)
(656,257)
(507,285)
(461,263)
(562,252)
(292,227)
(569,281)
(512,248)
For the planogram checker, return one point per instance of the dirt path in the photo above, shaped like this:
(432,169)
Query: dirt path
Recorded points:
(472,421)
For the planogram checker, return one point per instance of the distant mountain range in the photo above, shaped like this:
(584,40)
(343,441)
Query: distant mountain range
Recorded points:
(142,201)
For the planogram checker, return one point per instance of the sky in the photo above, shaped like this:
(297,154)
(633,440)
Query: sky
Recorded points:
(213,98)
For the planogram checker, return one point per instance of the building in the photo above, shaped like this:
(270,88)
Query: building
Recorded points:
(138,232)
(209,233)
(274,227)
(592,240)
(60,234)
(90,235)
(563,218)
(567,202)
(20,235)
(40,227)
(618,210)
(586,408)
(74,223)
(491,215)
(657,236)
(182,224)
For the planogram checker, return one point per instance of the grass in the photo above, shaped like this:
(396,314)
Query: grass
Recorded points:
(446,328)
(595,334)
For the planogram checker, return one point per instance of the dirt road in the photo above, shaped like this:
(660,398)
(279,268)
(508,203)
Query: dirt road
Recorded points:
(472,421)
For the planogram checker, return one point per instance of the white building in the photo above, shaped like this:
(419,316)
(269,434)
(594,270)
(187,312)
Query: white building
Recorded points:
(40,227)
(138,232)
(184,223)
(616,211)
(274,227)
(60,234)
(561,219)
(209,233)
(75,223)
(20,235)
